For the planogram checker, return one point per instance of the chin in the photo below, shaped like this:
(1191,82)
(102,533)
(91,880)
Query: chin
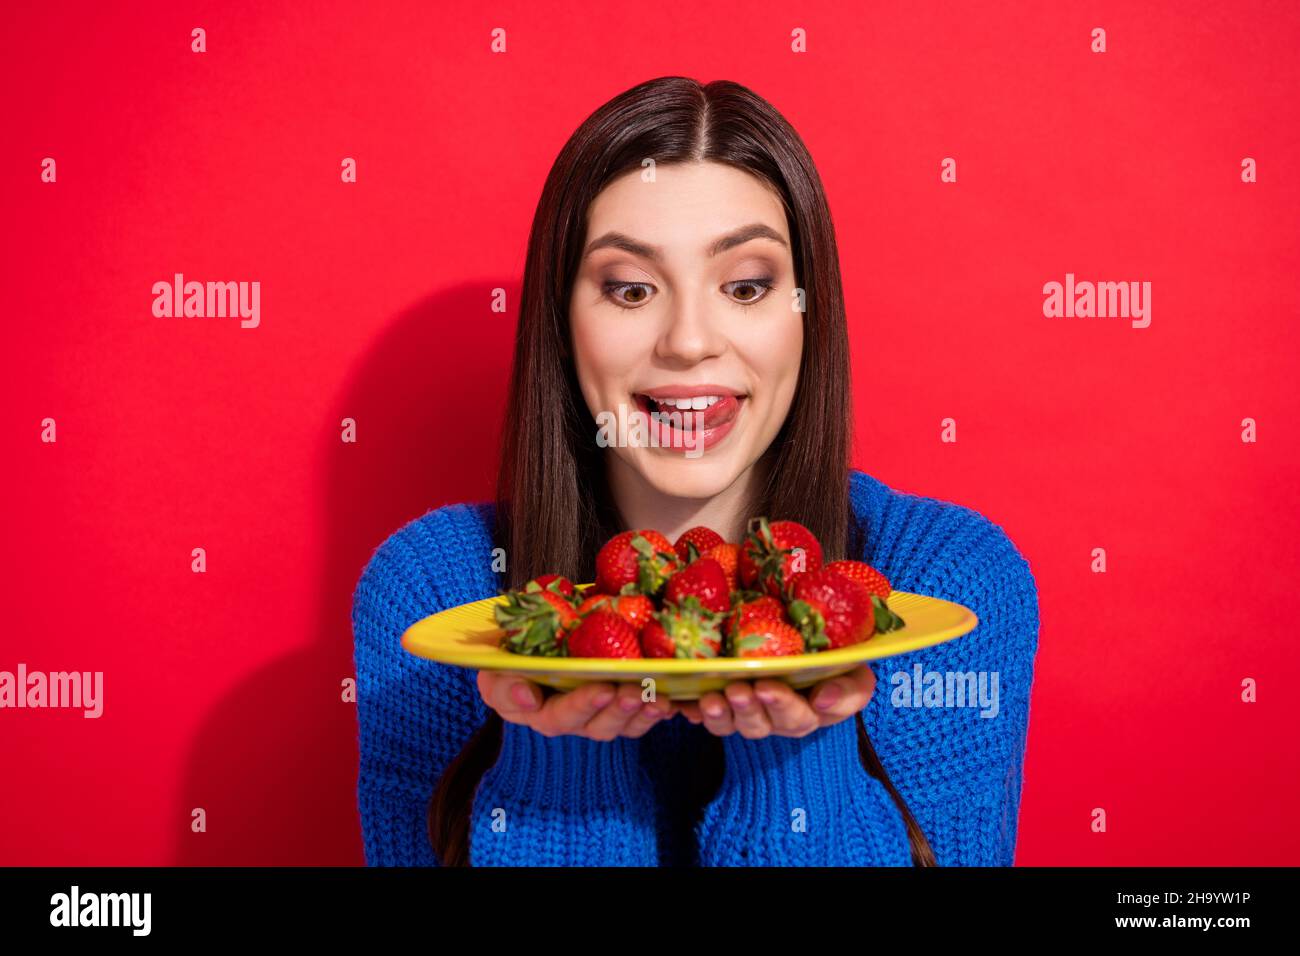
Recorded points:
(675,475)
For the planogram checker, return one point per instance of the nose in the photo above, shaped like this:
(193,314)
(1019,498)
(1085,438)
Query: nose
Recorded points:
(692,332)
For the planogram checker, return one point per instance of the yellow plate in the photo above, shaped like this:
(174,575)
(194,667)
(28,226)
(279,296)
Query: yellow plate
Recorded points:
(468,636)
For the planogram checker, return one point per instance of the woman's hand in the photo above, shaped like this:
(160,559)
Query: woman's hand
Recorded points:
(770,707)
(596,711)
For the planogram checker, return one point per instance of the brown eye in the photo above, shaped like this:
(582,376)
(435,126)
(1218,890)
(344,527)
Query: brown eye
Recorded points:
(629,295)
(749,291)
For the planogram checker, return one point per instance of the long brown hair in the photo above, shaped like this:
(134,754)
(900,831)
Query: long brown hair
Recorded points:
(553,507)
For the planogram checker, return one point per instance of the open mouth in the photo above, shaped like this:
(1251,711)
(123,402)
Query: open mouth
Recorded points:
(715,408)
(687,420)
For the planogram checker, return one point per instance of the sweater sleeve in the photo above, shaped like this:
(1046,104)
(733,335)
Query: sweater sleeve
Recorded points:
(960,768)
(807,801)
(413,715)
(564,801)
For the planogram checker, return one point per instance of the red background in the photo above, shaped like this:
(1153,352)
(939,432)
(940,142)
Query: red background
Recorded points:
(222,690)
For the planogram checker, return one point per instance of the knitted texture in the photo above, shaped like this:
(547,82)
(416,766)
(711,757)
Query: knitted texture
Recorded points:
(569,801)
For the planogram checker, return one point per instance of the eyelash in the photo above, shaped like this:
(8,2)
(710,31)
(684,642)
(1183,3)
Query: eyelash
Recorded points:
(766,283)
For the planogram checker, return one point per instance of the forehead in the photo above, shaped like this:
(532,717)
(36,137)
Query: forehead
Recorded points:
(686,206)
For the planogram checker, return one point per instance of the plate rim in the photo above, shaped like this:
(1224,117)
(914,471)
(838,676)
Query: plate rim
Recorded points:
(577,666)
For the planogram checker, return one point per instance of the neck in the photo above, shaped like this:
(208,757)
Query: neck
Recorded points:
(641,506)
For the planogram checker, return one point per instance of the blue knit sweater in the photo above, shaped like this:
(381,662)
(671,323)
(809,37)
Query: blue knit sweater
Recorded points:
(783,801)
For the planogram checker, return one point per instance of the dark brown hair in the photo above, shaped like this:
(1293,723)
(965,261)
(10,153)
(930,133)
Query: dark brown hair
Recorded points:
(553,507)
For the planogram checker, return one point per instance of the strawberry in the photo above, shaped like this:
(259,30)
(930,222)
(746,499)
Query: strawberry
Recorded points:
(551,582)
(635,562)
(763,638)
(697,540)
(633,608)
(765,608)
(831,610)
(603,634)
(864,574)
(772,554)
(655,641)
(682,630)
(535,622)
(727,555)
(703,579)
(877,586)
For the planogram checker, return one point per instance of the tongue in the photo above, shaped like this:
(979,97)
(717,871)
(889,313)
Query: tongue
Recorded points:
(719,413)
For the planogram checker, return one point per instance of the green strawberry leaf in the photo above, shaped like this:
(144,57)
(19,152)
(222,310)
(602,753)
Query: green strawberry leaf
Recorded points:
(886,619)
(811,625)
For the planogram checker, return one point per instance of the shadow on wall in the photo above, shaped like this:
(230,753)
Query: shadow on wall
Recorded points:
(427,399)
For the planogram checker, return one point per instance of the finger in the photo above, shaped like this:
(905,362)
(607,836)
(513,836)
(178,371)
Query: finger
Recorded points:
(788,711)
(610,721)
(568,713)
(651,713)
(840,697)
(715,711)
(690,709)
(665,707)
(750,714)
(511,696)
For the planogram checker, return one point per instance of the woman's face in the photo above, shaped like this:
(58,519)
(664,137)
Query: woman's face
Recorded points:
(683,305)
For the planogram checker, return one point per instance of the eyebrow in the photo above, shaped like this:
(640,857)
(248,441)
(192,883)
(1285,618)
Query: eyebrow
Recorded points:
(738,237)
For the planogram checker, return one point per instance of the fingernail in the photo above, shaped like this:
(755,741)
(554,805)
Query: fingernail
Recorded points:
(522,695)
(630,704)
(713,710)
(740,703)
(766,696)
(827,698)
(603,698)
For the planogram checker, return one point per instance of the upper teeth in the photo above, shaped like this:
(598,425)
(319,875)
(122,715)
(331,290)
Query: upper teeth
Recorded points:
(696,403)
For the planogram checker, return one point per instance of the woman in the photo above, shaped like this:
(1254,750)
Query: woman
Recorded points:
(683,249)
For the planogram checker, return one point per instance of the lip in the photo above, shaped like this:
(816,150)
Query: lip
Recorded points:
(718,420)
(688,391)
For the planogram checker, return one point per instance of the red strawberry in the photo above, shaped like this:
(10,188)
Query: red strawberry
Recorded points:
(765,608)
(551,582)
(655,641)
(772,554)
(763,638)
(700,538)
(685,630)
(864,574)
(704,579)
(727,555)
(831,610)
(593,600)
(633,608)
(603,634)
(616,563)
(535,622)
(635,562)
(877,586)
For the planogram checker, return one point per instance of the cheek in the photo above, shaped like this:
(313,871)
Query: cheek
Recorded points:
(604,355)
(776,351)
